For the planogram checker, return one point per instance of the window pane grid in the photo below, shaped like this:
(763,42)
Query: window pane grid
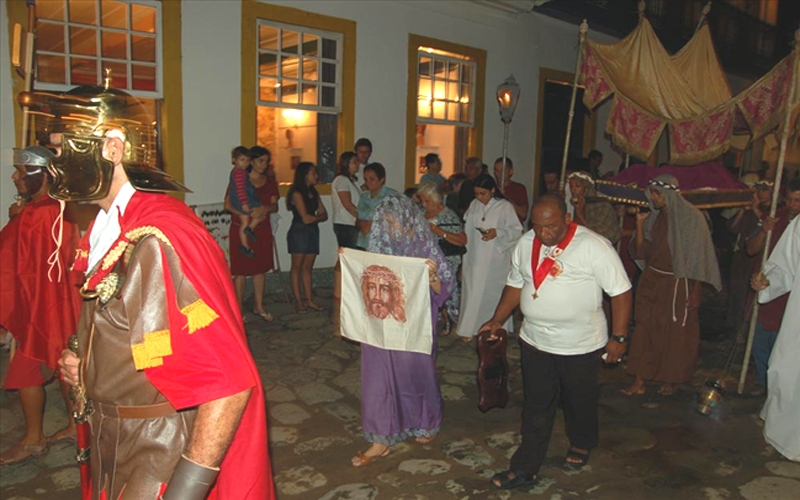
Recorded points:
(85,37)
(445,89)
(298,67)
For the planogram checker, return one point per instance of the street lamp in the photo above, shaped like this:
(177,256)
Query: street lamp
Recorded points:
(507,98)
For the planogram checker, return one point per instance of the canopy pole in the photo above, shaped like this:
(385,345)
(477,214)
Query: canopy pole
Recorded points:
(774,205)
(584,28)
(703,14)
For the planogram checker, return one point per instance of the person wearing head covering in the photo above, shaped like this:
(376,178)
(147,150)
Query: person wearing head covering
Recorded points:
(781,412)
(40,301)
(163,371)
(400,396)
(590,210)
(674,242)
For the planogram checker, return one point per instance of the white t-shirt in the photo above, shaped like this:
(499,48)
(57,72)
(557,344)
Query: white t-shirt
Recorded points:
(340,215)
(567,316)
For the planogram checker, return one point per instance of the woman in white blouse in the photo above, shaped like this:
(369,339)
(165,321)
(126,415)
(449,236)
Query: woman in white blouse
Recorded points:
(345,194)
(492,230)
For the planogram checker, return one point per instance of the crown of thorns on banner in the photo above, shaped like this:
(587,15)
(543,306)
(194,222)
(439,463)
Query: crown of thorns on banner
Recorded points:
(385,274)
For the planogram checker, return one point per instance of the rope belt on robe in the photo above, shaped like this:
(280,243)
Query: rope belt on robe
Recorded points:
(675,295)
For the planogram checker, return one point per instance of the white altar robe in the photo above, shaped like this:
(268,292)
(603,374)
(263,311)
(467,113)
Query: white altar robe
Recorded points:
(781,412)
(486,264)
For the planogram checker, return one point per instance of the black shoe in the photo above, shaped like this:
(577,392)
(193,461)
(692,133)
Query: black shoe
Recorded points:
(247,252)
(251,235)
(513,478)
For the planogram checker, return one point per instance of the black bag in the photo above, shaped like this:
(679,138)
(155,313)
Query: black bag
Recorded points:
(448,248)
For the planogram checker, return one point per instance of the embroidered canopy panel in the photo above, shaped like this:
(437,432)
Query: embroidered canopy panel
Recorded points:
(687,94)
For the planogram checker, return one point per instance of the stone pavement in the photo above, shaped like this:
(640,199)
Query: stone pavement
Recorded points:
(651,447)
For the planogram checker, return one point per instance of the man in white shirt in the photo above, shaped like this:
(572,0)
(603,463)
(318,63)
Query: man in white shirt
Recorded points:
(559,272)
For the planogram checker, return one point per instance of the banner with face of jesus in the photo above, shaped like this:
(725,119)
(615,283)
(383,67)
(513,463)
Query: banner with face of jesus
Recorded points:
(386,301)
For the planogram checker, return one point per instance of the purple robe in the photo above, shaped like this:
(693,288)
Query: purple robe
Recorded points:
(400,395)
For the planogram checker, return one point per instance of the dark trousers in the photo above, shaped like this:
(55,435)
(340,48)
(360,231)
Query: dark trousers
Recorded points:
(545,378)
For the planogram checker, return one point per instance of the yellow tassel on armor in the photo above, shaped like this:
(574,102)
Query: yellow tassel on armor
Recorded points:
(199,315)
(151,352)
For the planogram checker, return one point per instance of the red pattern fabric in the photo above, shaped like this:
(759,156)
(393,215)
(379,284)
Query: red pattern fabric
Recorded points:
(692,140)
(633,129)
(597,88)
(761,103)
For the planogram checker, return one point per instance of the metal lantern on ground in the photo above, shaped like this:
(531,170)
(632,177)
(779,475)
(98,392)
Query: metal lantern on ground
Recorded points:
(507,98)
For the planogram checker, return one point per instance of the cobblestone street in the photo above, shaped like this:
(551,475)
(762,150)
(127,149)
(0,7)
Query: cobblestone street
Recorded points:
(651,447)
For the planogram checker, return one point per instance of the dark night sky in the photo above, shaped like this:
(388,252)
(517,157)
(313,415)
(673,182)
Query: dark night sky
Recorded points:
(788,15)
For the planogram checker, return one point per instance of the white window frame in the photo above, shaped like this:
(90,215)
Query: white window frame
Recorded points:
(463,60)
(128,61)
(301,30)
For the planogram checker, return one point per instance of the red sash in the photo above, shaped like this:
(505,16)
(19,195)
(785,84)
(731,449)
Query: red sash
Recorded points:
(541,271)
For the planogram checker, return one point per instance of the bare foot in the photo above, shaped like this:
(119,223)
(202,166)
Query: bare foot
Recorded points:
(425,439)
(69,433)
(374,452)
(636,389)
(21,452)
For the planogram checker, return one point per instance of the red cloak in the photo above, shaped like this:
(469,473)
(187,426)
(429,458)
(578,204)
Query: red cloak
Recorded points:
(41,314)
(210,359)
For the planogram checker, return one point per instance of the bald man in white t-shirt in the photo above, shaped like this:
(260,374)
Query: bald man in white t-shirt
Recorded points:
(559,272)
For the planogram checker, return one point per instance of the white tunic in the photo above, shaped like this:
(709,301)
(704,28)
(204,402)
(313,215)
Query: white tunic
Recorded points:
(781,412)
(486,264)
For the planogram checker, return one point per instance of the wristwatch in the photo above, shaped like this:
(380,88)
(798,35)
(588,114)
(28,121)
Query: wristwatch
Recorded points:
(620,338)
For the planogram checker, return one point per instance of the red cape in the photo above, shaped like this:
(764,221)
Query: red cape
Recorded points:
(39,313)
(211,361)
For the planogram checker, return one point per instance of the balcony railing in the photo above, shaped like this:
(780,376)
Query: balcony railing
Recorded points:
(746,45)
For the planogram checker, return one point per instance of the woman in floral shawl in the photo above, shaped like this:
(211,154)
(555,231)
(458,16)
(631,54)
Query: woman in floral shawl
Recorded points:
(400,395)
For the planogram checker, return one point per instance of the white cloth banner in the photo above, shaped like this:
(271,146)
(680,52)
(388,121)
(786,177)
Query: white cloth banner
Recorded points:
(386,301)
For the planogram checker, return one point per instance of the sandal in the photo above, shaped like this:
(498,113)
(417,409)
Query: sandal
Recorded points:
(313,305)
(300,309)
(269,318)
(513,478)
(361,459)
(666,390)
(576,459)
(21,452)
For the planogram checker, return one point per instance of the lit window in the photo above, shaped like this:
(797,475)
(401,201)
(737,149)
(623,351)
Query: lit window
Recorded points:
(299,75)
(78,42)
(299,67)
(445,87)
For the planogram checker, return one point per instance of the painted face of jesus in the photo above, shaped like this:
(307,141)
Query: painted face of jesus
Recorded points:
(379,297)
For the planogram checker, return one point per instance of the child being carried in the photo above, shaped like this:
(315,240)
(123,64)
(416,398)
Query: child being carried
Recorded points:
(243,198)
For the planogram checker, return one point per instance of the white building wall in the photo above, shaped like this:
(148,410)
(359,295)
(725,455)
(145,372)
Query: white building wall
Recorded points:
(211,75)
(7,102)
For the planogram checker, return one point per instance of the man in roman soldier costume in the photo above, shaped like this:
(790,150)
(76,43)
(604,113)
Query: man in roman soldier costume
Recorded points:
(39,301)
(163,372)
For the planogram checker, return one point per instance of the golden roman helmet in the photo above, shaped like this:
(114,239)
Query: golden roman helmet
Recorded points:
(78,122)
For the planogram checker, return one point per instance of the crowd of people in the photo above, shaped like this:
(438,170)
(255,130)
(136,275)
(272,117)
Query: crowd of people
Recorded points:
(182,392)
